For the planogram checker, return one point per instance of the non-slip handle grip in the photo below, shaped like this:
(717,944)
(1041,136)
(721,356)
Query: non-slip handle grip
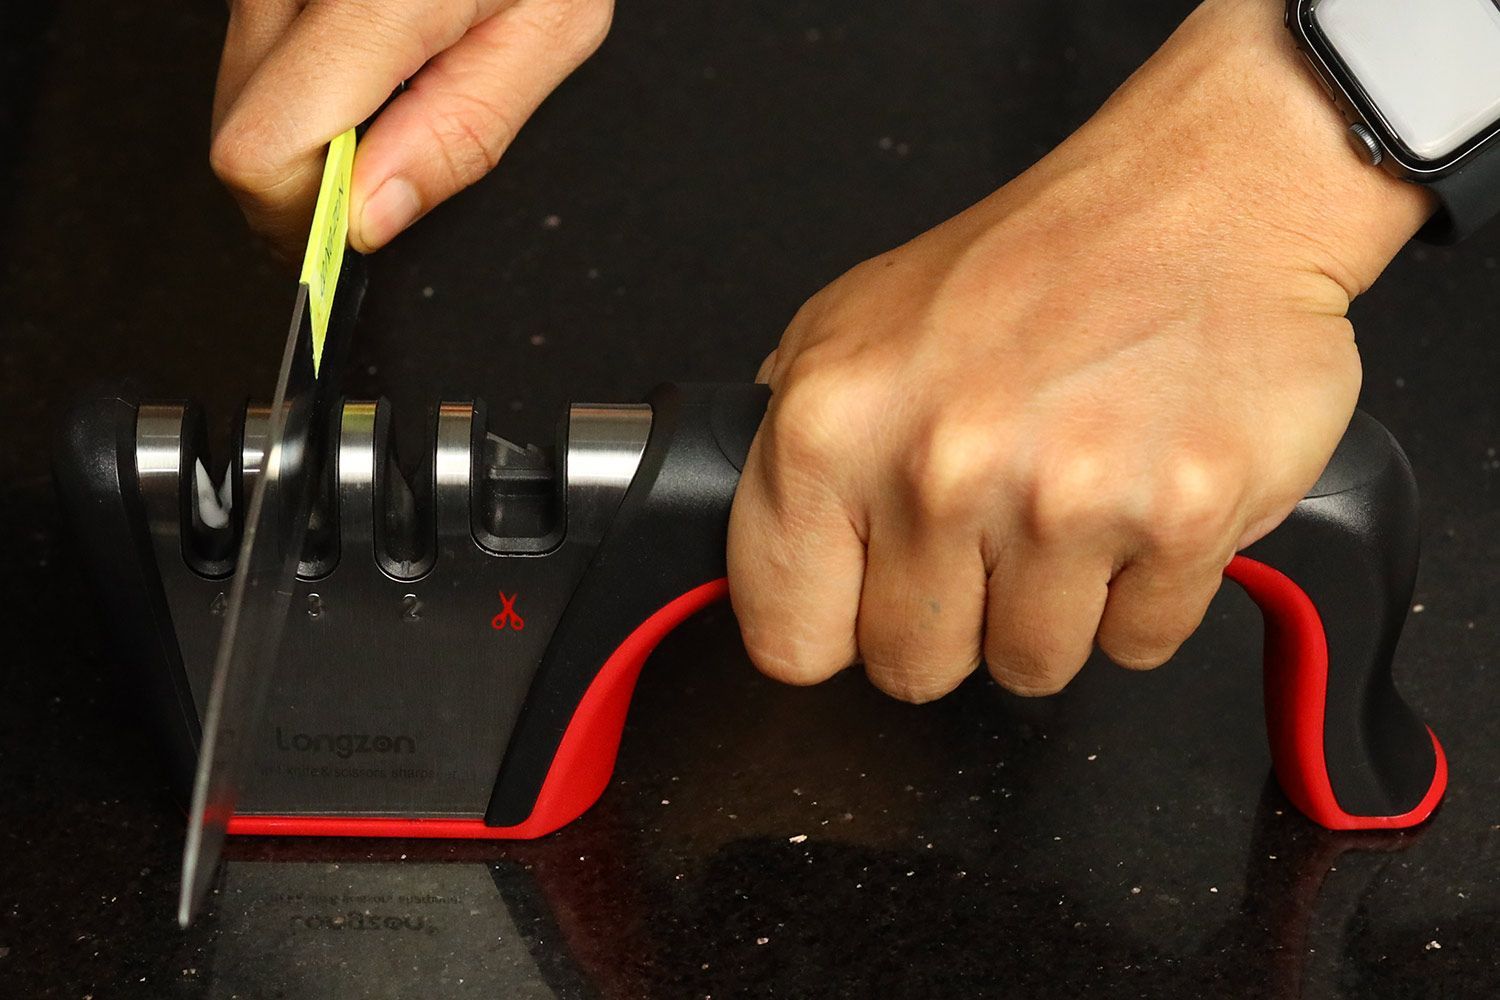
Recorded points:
(1333,583)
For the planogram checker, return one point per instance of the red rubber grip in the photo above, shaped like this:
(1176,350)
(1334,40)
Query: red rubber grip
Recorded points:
(1296,693)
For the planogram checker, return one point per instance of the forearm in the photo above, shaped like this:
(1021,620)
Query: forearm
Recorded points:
(1225,131)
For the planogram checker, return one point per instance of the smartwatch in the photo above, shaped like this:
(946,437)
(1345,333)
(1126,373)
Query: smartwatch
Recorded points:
(1419,83)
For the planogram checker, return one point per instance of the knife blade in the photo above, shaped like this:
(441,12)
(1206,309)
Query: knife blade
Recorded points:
(327,302)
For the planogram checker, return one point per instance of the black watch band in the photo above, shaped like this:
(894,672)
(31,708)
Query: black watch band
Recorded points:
(1468,198)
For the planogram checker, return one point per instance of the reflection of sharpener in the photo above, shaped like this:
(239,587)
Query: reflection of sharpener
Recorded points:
(463,643)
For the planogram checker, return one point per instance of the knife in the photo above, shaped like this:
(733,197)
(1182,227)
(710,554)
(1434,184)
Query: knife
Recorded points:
(329,291)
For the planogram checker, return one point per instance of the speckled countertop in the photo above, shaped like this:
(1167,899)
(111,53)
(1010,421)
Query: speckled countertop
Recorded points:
(662,218)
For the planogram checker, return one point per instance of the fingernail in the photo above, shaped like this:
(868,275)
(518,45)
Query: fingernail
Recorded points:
(388,211)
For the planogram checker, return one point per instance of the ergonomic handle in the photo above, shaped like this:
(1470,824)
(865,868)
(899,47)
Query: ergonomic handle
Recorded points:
(1333,583)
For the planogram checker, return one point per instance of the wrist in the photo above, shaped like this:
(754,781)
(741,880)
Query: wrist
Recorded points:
(1227,134)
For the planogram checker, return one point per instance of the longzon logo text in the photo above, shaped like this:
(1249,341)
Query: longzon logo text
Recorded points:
(343,745)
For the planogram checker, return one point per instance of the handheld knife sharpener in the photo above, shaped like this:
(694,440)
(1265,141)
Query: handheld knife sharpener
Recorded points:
(464,641)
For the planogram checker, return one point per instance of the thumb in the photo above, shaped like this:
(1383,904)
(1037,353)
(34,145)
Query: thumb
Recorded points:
(461,112)
(767,367)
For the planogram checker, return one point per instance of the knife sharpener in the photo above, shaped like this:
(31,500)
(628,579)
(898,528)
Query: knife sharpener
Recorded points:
(464,640)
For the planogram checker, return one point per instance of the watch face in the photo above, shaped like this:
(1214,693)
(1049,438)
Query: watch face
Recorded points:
(1430,69)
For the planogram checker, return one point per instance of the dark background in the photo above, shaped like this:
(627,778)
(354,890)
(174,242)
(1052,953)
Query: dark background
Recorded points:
(713,166)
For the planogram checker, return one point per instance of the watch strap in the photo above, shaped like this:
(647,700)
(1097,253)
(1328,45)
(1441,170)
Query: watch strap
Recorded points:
(1467,198)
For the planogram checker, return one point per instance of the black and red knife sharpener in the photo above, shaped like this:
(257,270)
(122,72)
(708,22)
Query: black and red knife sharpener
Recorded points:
(464,641)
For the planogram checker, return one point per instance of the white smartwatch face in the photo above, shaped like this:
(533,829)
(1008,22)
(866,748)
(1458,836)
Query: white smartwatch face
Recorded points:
(1430,68)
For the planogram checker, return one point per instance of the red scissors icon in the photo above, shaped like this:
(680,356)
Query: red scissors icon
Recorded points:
(508,614)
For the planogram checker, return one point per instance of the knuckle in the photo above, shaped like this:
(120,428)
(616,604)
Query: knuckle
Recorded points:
(814,412)
(1029,676)
(790,662)
(414,31)
(816,312)
(578,26)
(1022,661)
(1193,501)
(236,159)
(472,135)
(1137,639)
(912,664)
(1069,494)
(1137,655)
(954,470)
(913,684)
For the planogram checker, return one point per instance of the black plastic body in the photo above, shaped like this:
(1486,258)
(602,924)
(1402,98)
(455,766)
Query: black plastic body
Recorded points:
(94,468)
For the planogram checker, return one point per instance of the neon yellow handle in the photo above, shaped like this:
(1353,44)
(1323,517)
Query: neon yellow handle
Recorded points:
(329,236)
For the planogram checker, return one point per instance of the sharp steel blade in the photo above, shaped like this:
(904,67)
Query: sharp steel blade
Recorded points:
(259,595)
(275,527)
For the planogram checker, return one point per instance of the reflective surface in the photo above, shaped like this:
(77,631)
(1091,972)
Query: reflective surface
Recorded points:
(319,920)
(709,170)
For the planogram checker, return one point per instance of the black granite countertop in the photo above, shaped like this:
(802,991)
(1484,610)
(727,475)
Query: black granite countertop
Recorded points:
(662,218)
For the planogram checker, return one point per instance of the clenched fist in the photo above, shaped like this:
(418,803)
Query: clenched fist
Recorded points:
(1051,421)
